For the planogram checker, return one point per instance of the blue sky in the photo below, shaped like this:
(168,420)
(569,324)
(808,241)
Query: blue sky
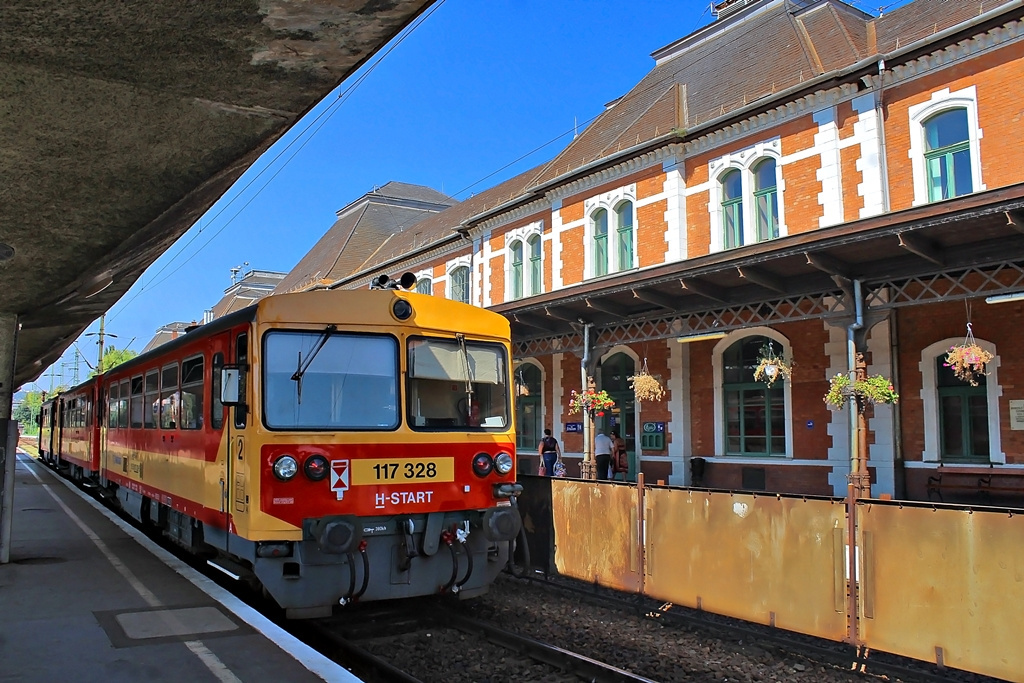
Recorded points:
(457,105)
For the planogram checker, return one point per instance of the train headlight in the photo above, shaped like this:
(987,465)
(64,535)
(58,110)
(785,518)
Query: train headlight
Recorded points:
(286,467)
(482,464)
(503,463)
(316,467)
(401,309)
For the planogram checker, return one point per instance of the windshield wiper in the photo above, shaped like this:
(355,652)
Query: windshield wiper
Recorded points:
(301,368)
(461,339)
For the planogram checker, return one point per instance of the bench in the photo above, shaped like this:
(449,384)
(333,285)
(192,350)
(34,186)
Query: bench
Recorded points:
(977,480)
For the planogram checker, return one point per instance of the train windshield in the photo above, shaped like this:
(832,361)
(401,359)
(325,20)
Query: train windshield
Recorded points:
(457,384)
(330,380)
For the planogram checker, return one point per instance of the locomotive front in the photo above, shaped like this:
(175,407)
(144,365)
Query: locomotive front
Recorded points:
(379,460)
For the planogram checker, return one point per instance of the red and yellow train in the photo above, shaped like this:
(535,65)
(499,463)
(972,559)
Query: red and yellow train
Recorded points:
(327,446)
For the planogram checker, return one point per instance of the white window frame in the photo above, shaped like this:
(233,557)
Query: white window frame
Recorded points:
(718,375)
(523,235)
(744,160)
(930,397)
(609,201)
(451,266)
(940,101)
(422,275)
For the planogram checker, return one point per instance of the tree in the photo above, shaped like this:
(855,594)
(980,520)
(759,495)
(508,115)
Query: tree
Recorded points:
(112,357)
(26,411)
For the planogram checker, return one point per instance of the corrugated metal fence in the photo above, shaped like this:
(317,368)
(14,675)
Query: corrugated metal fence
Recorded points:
(940,583)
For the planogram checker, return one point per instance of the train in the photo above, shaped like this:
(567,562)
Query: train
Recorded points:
(325,447)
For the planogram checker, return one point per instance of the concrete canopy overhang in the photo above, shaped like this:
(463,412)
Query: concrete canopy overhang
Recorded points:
(981,231)
(122,123)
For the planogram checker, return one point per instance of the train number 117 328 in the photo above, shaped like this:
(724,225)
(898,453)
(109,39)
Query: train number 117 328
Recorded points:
(402,470)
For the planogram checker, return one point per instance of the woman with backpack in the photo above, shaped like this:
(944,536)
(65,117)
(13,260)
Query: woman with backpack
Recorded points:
(550,452)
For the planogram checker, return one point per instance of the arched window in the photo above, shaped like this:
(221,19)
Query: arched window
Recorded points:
(517,269)
(600,219)
(948,155)
(536,274)
(755,414)
(424,286)
(732,209)
(963,416)
(766,200)
(624,229)
(615,373)
(529,415)
(459,285)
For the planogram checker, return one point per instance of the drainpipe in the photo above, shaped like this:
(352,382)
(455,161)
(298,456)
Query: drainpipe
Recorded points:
(854,478)
(883,164)
(851,364)
(588,453)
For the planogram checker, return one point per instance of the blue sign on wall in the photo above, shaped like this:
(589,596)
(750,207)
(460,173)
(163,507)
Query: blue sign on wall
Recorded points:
(654,427)
(574,427)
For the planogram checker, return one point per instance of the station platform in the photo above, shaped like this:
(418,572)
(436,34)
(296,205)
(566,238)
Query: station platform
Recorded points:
(86,597)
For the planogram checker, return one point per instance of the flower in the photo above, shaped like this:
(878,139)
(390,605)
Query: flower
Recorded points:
(590,401)
(876,389)
(771,367)
(967,361)
(645,386)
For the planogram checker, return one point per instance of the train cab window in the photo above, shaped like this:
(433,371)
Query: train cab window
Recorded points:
(457,384)
(152,399)
(122,405)
(135,404)
(216,407)
(192,393)
(330,380)
(169,398)
(242,360)
(112,393)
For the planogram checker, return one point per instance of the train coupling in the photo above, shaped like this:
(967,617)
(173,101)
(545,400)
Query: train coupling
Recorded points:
(507,490)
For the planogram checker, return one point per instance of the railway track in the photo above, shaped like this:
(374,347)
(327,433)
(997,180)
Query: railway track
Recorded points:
(372,640)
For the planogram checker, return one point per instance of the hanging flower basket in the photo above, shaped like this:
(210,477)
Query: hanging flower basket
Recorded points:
(645,386)
(968,360)
(590,402)
(771,367)
(874,389)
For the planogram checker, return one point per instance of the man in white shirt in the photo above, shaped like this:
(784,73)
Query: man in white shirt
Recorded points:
(602,454)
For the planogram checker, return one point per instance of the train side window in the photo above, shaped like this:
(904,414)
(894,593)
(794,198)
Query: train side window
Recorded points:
(192,393)
(152,399)
(122,405)
(169,397)
(242,359)
(135,420)
(216,407)
(112,405)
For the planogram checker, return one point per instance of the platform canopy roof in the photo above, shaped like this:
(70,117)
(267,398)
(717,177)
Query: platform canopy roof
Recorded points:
(123,122)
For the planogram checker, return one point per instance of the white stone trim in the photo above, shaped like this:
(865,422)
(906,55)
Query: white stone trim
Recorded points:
(675,216)
(787,388)
(838,427)
(940,101)
(557,382)
(681,447)
(449,268)
(930,396)
(882,452)
(829,173)
(866,132)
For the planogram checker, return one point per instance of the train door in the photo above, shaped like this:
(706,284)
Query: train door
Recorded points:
(54,443)
(58,452)
(240,418)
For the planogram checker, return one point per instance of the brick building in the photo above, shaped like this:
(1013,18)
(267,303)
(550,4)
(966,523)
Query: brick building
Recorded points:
(797,175)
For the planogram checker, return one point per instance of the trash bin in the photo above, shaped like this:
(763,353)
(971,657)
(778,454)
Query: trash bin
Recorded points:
(697,471)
